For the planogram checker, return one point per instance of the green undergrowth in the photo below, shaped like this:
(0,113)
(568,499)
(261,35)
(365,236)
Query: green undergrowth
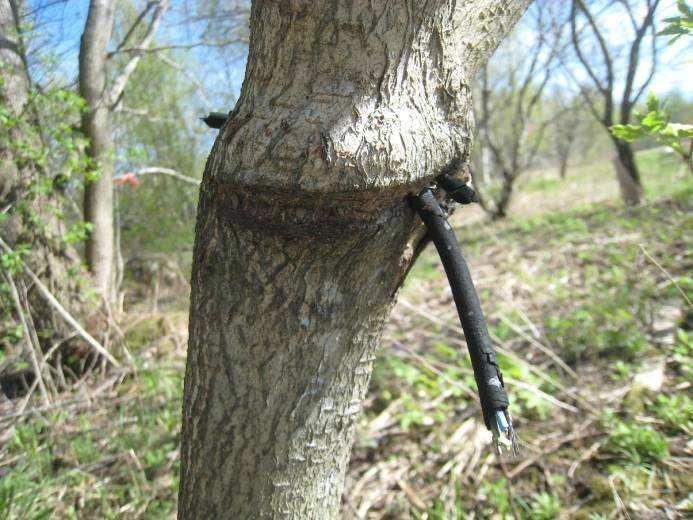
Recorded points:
(599,286)
(115,459)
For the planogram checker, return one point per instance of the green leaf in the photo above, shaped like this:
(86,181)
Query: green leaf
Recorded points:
(679,25)
(628,132)
(652,102)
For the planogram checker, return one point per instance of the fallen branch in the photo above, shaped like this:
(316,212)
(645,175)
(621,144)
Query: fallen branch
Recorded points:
(666,273)
(50,299)
(579,434)
(29,339)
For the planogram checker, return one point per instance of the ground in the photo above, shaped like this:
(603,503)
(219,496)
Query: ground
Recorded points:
(589,306)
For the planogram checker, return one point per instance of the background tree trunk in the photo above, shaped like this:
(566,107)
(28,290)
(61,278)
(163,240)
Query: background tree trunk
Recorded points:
(304,236)
(627,173)
(101,101)
(500,210)
(597,54)
(98,193)
(563,164)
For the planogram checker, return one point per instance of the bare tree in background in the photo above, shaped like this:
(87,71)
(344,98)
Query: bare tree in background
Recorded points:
(224,22)
(566,130)
(511,90)
(304,236)
(614,80)
(102,97)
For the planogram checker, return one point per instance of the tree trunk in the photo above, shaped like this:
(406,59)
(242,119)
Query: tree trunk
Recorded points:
(501,209)
(98,193)
(627,173)
(31,214)
(563,163)
(304,236)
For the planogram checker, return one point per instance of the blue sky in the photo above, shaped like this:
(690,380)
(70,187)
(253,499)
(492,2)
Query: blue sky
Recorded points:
(61,23)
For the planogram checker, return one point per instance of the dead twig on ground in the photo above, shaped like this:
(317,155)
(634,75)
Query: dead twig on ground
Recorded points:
(32,348)
(53,302)
(591,451)
(550,353)
(666,273)
(579,434)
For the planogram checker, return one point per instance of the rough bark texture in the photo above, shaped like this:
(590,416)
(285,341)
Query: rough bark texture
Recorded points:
(500,211)
(304,236)
(563,157)
(98,194)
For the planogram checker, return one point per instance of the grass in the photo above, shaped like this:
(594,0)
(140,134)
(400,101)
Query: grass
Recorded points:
(118,458)
(582,314)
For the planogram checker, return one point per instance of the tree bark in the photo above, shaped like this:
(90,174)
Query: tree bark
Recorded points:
(627,173)
(304,236)
(98,193)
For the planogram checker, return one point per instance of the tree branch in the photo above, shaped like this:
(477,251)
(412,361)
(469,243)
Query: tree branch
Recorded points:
(121,80)
(133,27)
(162,171)
(201,88)
(148,50)
(605,90)
(633,62)
(653,67)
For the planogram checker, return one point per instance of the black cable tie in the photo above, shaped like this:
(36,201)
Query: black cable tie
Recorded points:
(489,380)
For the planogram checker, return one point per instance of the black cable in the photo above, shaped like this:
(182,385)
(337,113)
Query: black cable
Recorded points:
(489,380)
